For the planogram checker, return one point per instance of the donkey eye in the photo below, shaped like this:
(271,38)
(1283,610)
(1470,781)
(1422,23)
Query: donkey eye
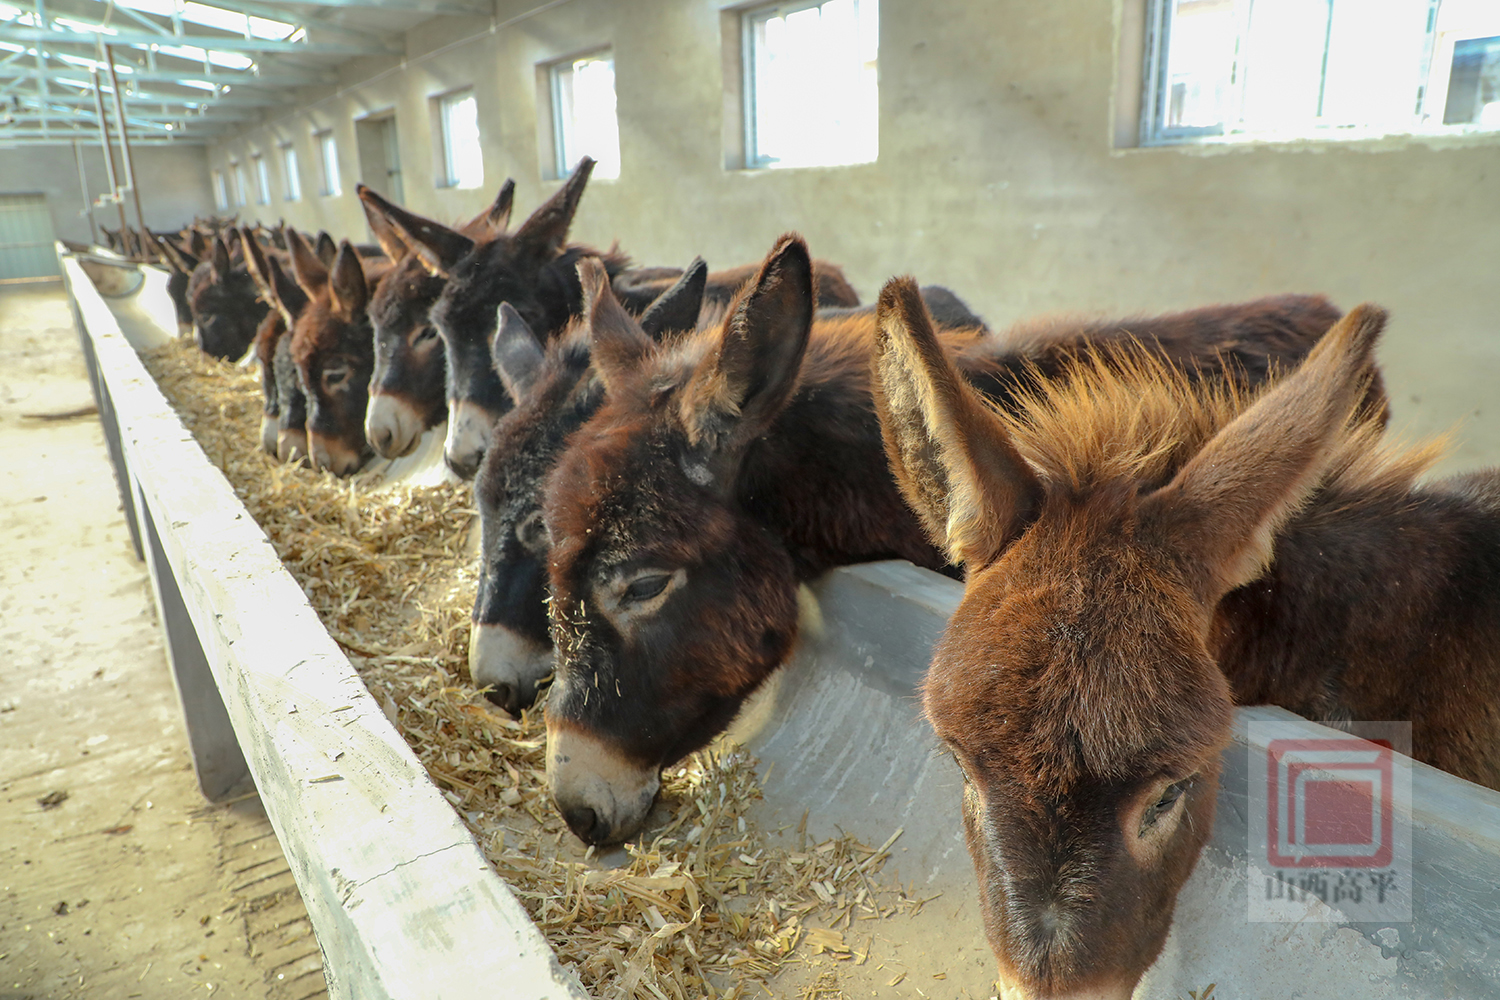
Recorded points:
(532,531)
(1163,805)
(424,335)
(646,588)
(335,378)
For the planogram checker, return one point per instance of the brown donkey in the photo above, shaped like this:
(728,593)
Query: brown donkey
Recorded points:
(1142,554)
(725,469)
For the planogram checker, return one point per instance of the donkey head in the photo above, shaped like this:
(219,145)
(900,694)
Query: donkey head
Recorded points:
(1075,685)
(331,347)
(481,272)
(407,386)
(288,299)
(670,604)
(555,391)
(224,303)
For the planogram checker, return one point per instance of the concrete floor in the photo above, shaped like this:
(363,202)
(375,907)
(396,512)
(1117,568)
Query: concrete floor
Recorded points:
(132,885)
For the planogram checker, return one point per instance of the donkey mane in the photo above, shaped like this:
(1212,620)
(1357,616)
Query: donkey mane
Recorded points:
(1125,415)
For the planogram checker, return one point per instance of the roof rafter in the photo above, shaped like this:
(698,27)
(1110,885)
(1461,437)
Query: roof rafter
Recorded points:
(217,43)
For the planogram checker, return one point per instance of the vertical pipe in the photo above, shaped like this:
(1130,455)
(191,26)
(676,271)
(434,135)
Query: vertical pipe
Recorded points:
(109,157)
(83,189)
(135,193)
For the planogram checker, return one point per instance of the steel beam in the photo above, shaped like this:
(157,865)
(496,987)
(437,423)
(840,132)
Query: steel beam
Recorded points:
(218,43)
(277,77)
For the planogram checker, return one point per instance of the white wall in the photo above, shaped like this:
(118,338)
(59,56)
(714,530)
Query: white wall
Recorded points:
(998,176)
(173,182)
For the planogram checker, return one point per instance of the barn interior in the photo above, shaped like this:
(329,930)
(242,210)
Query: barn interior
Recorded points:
(1099,157)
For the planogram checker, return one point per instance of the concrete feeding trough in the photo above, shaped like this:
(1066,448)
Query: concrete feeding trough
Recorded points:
(405,905)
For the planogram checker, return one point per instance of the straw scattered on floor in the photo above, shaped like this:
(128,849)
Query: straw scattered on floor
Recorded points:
(706,906)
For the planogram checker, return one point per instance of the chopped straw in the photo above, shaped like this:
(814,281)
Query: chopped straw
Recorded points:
(705,905)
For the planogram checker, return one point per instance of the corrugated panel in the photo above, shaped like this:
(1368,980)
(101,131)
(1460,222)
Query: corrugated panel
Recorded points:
(26,249)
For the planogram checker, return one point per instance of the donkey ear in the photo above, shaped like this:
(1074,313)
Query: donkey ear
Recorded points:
(385,234)
(221,260)
(197,245)
(747,378)
(436,246)
(516,352)
(289,296)
(179,258)
(255,263)
(617,344)
(497,217)
(953,460)
(306,267)
(543,235)
(347,291)
(325,248)
(1224,508)
(678,307)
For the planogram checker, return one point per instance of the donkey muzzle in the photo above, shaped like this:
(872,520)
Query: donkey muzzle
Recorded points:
(603,797)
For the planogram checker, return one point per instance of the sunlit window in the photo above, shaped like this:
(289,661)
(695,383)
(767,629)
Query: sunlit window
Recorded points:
(584,121)
(241,189)
(289,172)
(1303,68)
(460,162)
(262,180)
(328,153)
(221,196)
(812,97)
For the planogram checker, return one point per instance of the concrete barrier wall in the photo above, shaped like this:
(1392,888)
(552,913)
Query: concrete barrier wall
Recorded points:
(403,902)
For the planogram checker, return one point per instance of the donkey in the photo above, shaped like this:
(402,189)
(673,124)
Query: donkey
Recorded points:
(289,301)
(333,348)
(744,462)
(407,386)
(180,266)
(535,270)
(1142,554)
(225,306)
(554,389)
(268,337)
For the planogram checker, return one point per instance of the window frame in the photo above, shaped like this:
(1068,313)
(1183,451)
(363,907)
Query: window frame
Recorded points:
(562,164)
(748,16)
(447,174)
(324,140)
(1153,132)
(291,173)
(262,179)
(241,194)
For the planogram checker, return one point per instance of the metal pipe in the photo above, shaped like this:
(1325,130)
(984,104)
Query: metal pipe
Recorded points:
(83,189)
(109,155)
(135,194)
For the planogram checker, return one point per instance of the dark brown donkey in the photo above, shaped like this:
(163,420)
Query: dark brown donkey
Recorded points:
(289,300)
(535,270)
(1142,554)
(510,645)
(723,471)
(555,389)
(333,348)
(268,337)
(406,387)
(225,304)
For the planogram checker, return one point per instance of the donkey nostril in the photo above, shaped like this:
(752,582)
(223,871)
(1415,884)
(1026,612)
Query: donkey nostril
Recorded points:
(504,695)
(584,823)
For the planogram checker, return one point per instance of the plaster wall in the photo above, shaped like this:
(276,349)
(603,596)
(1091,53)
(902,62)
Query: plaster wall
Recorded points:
(999,175)
(174,183)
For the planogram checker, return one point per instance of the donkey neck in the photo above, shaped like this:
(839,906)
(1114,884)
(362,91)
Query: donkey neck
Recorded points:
(819,477)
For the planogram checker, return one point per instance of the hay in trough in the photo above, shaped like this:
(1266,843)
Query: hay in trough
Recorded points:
(706,905)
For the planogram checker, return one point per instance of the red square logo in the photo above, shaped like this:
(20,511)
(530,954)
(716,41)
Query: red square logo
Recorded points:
(1329,803)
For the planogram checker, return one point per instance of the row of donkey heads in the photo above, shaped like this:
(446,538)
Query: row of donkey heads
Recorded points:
(1142,511)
